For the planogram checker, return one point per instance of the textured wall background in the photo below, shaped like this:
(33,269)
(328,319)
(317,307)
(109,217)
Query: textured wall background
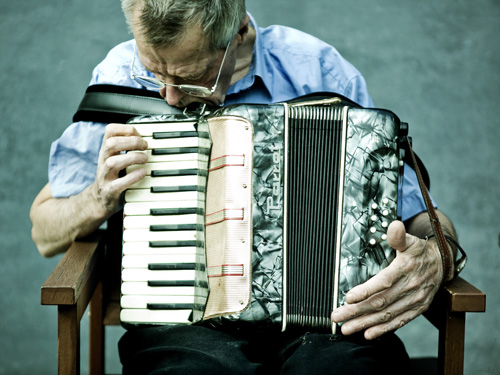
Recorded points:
(435,64)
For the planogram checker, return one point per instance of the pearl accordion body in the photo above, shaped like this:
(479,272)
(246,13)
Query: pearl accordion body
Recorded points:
(259,214)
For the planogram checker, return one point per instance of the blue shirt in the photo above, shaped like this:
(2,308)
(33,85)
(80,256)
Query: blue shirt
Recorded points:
(286,63)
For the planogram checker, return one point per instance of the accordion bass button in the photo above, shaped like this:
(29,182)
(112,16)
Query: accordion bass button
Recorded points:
(373,242)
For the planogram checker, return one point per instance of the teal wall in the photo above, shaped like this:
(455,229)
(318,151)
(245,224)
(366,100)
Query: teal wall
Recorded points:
(434,63)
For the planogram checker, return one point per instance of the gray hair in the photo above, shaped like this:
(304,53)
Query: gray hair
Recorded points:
(164,22)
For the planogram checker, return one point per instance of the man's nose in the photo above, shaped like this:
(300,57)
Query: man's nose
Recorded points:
(173,96)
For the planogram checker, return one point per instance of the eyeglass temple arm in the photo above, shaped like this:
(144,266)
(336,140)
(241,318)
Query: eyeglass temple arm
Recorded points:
(220,68)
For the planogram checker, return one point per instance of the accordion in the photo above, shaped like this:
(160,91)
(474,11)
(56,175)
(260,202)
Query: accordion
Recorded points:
(259,214)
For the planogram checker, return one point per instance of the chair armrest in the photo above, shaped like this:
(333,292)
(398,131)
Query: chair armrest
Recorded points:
(73,280)
(456,296)
(462,296)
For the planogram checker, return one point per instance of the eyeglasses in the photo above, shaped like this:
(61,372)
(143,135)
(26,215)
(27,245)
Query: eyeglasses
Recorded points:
(193,90)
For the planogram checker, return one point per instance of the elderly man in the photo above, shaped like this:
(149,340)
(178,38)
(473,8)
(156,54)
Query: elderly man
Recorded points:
(213,52)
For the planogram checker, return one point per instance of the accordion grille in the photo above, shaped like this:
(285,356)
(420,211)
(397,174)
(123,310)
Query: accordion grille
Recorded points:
(314,158)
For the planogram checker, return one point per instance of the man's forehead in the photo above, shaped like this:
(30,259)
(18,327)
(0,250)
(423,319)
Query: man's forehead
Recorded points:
(191,50)
(195,38)
(175,61)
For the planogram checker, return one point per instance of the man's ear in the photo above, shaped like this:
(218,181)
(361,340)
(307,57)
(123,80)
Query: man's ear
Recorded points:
(243,31)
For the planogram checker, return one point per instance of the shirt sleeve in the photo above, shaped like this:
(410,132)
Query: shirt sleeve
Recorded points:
(356,90)
(73,157)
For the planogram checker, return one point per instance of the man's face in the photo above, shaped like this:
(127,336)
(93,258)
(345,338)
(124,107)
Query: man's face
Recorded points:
(188,62)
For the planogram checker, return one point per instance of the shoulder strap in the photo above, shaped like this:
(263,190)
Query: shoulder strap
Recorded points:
(450,267)
(110,103)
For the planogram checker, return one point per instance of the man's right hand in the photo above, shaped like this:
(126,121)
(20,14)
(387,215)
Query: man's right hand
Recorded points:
(57,222)
(113,158)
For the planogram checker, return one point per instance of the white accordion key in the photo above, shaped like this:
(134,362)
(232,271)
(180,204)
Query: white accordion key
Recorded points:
(155,316)
(130,248)
(149,181)
(130,235)
(161,208)
(172,155)
(170,168)
(172,261)
(141,302)
(147,130)
(140,274)
(146,222)
(169,155)
(145,195)
(171,142)
(142,288)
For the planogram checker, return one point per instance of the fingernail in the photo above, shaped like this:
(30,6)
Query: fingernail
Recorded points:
(350,297)
(336,316)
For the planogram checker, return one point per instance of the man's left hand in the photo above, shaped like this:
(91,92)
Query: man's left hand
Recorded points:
(397,294)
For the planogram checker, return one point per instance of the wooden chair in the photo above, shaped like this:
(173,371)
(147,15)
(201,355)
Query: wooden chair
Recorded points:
(89,272)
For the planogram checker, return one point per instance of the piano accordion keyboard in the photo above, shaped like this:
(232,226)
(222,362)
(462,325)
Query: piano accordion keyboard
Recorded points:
(163,227)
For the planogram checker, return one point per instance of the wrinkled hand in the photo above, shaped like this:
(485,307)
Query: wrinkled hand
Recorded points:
(397,294)
(108,185)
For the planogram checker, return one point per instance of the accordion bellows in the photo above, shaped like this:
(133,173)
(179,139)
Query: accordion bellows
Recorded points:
(297,201)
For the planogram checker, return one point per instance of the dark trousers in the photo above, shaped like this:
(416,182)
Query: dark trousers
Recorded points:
(203,350)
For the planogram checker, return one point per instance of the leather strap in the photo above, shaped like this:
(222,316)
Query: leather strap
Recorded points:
(446,254)
(111,103)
